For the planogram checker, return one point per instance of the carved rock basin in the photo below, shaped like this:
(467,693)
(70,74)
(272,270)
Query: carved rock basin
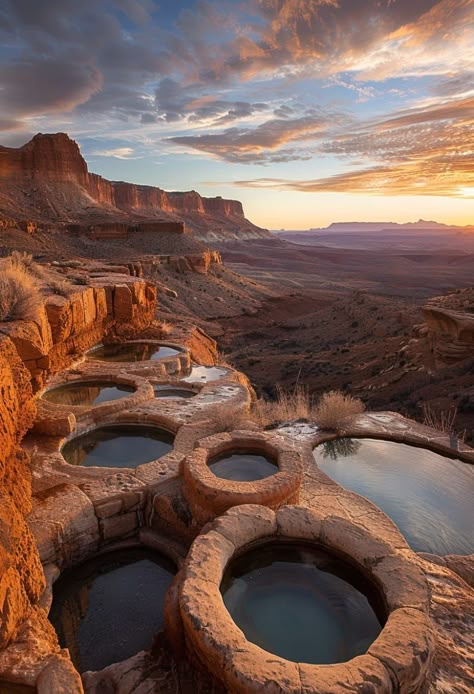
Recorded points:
(243,466)
(132,352)
(79,393)
(118,445)
(110,607)
(429,496)
(302,603)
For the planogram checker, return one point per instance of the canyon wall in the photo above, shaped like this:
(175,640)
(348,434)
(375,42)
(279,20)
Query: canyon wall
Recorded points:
(48,180)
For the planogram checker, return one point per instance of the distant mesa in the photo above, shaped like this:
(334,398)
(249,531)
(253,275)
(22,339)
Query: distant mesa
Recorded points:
(47,181)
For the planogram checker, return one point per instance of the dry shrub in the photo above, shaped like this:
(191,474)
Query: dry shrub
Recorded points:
(441,420)
(336,410)
(20,298)
(286,408)
(165,328)
(227,419)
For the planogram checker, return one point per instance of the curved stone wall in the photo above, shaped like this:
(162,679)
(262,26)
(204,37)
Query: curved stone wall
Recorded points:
(209,496)
(398,660)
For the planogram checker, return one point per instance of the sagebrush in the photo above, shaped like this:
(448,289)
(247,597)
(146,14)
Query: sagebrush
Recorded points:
(336,410)
(20,298)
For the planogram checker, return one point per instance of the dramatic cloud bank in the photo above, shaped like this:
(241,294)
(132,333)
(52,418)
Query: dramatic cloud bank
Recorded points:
(370,96)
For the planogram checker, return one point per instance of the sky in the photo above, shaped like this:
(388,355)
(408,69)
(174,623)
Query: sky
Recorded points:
(308,111)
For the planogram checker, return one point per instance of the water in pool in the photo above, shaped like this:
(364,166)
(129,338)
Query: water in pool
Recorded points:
(87,393)
(168,393)
(205,374)
(429,496)
(118,446)
(110,608)
(243,466)
(302,604)
(139,351)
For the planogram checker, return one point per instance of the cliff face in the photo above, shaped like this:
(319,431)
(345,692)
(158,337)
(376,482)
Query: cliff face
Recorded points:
(48,180)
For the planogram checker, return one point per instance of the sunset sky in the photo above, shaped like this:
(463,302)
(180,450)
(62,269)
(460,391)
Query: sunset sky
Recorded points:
(309,111)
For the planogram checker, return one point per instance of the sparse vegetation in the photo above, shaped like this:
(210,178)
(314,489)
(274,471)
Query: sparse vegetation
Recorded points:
(287,407)
(226,419)
(20,298)
(335,410)
(441,420)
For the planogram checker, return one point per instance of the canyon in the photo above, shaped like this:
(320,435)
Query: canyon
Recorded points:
(46,182)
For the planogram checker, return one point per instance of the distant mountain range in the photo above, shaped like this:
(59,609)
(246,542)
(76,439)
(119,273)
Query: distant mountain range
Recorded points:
(361,227)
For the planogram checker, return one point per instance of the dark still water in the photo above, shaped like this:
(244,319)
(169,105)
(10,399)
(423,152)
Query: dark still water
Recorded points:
(132,352)
(110,608)
(300,603)
(87,393)
(428,496)
(119,445)
(243,467)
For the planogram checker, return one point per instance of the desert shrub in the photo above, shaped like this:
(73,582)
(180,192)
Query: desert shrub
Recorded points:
(20,298)
(336,410)
(287,407)
(441,420)
(227,419)
(165,328)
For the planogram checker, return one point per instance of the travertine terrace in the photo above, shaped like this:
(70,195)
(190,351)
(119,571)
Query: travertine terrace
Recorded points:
(56,515)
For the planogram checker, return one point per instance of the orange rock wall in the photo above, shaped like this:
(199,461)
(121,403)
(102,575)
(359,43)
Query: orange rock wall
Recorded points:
(21,575)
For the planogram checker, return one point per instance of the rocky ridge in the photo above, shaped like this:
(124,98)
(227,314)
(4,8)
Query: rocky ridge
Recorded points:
(47,181)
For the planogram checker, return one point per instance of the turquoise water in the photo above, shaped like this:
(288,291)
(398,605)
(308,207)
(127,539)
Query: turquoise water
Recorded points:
(300,603)
(428,496)
(243,467)
(128,351)
(110,608)
(119,445)
(87,393)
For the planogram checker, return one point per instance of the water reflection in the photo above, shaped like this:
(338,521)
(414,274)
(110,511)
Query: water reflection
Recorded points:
(243,466)
(128,351)
(87,393)
(118,446)
(428,496)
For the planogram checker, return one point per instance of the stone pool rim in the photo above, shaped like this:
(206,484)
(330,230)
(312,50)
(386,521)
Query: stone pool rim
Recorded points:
(398,660)
(210,496)
(398,429)
(117,424)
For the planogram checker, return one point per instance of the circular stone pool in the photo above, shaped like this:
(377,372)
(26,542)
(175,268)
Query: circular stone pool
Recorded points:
(132,351)
(87,393)
(243,466)
(118,445)
(110,608)
(301,603)
(170,393)
(428,496)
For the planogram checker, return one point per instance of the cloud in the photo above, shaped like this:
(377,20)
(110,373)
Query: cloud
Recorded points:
(258,144)
(117,152)
(422,151)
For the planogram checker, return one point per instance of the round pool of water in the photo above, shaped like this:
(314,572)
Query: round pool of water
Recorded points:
(132,351)
(243,466)
(428,496)
(301,603)
(118,445)
(205,374)
(87,393)
(168,393)
(110,608)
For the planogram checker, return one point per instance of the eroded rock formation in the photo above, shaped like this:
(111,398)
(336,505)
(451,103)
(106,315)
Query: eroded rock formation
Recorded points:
(47,180)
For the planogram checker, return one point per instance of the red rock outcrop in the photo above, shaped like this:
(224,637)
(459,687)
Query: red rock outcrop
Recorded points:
(78,195)
(451,333)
